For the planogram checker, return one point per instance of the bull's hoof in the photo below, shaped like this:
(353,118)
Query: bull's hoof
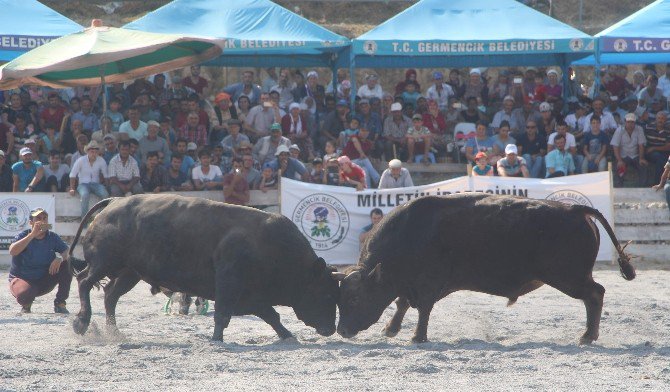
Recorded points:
(390,331)
(80,326)
(419,339)
(586,340)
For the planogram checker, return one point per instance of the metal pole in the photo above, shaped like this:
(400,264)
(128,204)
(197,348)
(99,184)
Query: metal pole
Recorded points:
(581,12)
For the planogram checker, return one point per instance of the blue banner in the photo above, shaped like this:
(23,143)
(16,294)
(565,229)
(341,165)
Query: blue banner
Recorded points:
(635,45)
(23,42)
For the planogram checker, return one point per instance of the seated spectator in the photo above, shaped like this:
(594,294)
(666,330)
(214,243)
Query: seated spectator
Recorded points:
(234,139)
(243,107)
(357,150)
(533,147)
(193,131)
(57,174)
(476,87)
(187,161)
(135,150)
(235,186)
(410,95)
(351,174)
(288,167)
(206,177)
(595,148)
(456,83)
(658,143)
(89,120)
(480,143)
(613,107)
(481,167)
(512,165)
(330,151)
(295,128)
(177,179)
(311,88)
(152,142)
(27,174)
(570,143)
(559,161)
(109,143)
(650,93)
(224,162)
(419,138)
(369,119)
(522,115)
(268,178)
(52,115)
(352,130)
(220,116)
(134,128)
(503,138)
(577,121)
(318,172)
(547,124)
(261,118)
(294,151)
(331,175)
(376,216)
(436,124)
(628,146)
(106,128)
(153,177)
(334,123)
(124,172)
(410,78)
(395,176)
(145,104)
(553,88)
(506,114)
(88,174)
(472,114)
(607,123)
(267,146)
(371,88)
(246,87)
(439,91)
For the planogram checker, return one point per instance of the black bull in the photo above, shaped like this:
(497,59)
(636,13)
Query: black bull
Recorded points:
(500,245)
(244,259)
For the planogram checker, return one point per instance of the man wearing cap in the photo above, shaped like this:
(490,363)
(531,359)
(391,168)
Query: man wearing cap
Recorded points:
(296,128)
(547,124)
(266,147)
(505,114)
(27,173)
(290,167)
(261,117)
(152,142)
(234,139)
(36,269)
(89,171)
(395,176)
(371,88)
(245,87)
(512,165)
(439,91)
(628,145)
(395,131)
(334,123)
(124,172)
(6,180)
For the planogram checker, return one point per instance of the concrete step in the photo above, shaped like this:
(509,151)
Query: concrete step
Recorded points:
(643,233)
(637,195)
(641,213)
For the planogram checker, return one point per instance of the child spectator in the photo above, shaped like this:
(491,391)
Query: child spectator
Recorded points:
(317,173)
(331,151)
(349,132)
(482,168)
(268,178)
(114,114)
(410,95)
(331,175)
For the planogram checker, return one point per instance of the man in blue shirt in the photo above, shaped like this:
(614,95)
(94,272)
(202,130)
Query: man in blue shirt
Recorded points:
(559,161)
(36,269)
(27,174)
(290,167)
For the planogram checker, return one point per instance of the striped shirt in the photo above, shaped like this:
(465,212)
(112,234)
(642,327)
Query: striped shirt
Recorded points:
(123,172)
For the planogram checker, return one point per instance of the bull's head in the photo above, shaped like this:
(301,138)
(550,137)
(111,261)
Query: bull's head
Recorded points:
(317,307)
(363,297)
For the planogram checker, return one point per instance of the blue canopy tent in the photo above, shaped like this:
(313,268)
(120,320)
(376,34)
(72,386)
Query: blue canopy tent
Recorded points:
(258,33)
(27,24)
(469,33)
(641,38)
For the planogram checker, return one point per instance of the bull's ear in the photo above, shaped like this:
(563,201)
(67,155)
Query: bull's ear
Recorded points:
(339,276)
(376,273)
(319,266)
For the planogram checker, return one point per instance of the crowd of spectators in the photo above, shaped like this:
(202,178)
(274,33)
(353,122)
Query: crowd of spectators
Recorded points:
(175,133)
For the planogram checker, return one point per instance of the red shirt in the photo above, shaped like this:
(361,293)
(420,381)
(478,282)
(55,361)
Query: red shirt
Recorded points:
(351,151)
(356,174)
(239,187)
(54,119)
(197,135)
(435,125)
(198,86)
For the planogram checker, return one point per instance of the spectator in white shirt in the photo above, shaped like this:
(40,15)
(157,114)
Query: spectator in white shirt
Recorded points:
(206,177)
(134,128)
(89,171)
(124,172)
(395,176)
(371,88)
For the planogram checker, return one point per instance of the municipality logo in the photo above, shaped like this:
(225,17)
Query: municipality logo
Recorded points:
(620,45)
(576,44)
(370,47)
(323,219)
(568,196)
(14,215)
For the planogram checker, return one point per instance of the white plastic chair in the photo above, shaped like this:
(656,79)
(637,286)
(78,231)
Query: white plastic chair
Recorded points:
(462,132)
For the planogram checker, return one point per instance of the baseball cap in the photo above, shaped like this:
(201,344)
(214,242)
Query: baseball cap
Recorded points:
(480,154)
(395,164)
(511,149)
(631,117)
(280,149)
(37,211)
(417,117)
(294,147)
(545,107)
(191,146)
(312,73)
(396,107)
(275,127)
(153,122)
(437,75)
(508,98)
(25,151)
(552,71)
(294,105)
(342,102)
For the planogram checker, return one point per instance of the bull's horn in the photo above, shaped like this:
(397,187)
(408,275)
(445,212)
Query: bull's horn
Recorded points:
(339,276)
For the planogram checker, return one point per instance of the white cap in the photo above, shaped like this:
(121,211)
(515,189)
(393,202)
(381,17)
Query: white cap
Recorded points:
(2,153)
(25,151)
(552,71)
(395,164)
(312,73)
(508,98)
(153,122)
(475,71)
(396,107)
(294,105)
(631,117)
(280,149)
(511,149)
(30,141)
(191,146)
(545,107)
(294,147)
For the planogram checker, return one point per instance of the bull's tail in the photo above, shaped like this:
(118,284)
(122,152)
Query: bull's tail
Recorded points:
(77,265)
(626,268)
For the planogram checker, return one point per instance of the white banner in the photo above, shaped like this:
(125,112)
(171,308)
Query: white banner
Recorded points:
(331,217)
(15,212)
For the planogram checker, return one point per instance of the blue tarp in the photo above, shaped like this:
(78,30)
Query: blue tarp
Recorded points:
(258,33)
(27,24)
(465,33)
(641,38)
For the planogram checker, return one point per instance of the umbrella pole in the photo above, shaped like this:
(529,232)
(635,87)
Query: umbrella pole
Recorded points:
(104,94)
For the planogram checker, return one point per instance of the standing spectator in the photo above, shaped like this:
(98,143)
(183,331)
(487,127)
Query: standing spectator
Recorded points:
(57,174)
(559,161)
(512,165)
(177,179)
(318,172)
(265,149)
(481,167)
(87,174)
(295,128)
(664,82)
(197,83)
(371,88)
(36,270)
(6,181)
(395,131)
(271,80)
(153,177)
(27,173)
(52,115)
(152,142)
(553,88)
(658,143)
(285,89)
(395,176)
(134,128)
(376,216)
(350,173)
(419,138)
(235,186)
(246,88)
(439,92)
(124,172)
(456,83)
(288,167)
(595,148)
(206,177)
(252,175)
(628,145)
(533,148)
(312,89)
(261,117)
